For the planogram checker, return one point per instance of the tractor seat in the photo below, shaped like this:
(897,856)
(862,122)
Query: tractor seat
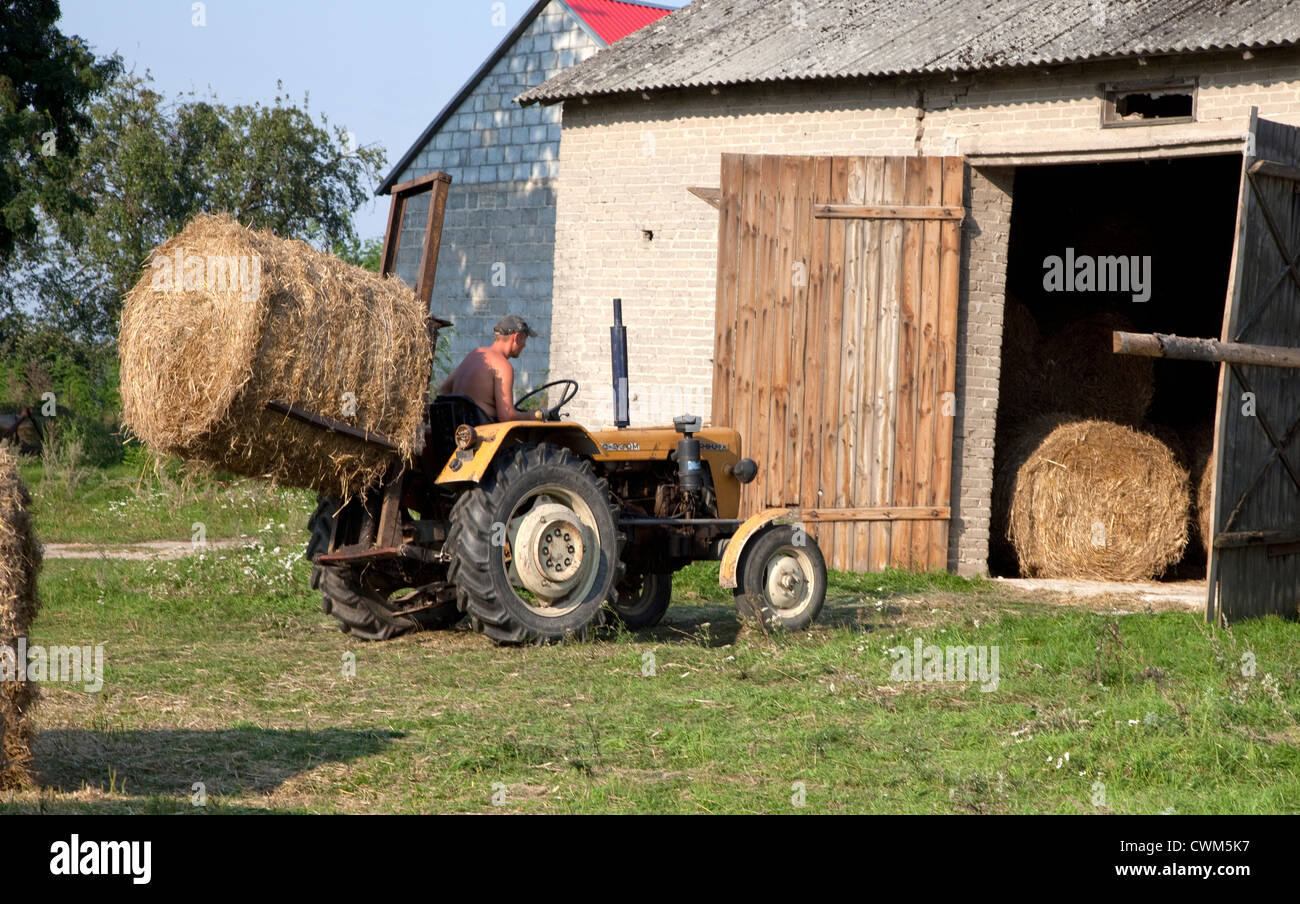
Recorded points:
(450,411)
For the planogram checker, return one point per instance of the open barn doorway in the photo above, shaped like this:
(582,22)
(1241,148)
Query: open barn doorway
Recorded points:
(1144,246)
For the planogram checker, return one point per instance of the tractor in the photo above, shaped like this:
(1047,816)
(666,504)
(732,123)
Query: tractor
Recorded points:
(539,531)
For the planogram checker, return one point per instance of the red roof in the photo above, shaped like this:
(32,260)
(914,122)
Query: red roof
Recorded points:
(614,20)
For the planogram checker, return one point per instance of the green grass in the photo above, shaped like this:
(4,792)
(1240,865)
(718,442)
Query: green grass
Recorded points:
(135,501)
(222,670)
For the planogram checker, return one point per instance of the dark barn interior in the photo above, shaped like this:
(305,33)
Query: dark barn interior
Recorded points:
(1179,213)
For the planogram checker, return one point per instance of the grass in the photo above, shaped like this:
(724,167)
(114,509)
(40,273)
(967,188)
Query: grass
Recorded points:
(221,670)
(136,501)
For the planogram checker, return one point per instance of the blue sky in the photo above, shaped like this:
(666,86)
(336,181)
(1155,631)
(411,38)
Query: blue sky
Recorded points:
(381,68)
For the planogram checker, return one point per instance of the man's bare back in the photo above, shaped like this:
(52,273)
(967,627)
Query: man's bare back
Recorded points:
(486,376)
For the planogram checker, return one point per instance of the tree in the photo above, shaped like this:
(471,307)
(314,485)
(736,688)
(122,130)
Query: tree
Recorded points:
(142,168)
(367,254)
(46,81)
(150,165)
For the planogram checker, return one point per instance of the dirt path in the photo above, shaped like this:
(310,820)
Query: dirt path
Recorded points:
(1161,595)
(144,550)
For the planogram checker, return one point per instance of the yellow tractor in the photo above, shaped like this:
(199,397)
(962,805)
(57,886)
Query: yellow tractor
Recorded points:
(537,531)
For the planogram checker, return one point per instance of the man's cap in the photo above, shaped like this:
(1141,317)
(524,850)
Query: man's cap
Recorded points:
(512,323)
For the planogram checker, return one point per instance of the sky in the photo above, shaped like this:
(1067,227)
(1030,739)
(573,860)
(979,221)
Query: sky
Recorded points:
(380,68)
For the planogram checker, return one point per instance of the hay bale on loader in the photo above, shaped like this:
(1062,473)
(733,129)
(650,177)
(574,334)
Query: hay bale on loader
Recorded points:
(1083,377)
(1093,499)
(20,560)
(226,319)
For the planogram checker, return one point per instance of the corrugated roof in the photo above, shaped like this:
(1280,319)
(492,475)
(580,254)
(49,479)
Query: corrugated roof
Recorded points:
(727,42)
(614,20)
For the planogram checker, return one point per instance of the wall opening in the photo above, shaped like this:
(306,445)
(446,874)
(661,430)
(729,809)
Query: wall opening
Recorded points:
(1144,246)
(1149,105)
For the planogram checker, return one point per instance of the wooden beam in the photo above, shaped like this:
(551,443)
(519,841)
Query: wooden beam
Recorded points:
(415,186)
(1163,345)
(392,233)
(1278,170)
(432,240)
(887,212)
(900,513)
(389,533)
(1239,538)
(329,425)
(711,196)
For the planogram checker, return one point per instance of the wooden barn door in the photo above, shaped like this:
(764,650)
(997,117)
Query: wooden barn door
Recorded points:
(1255,563)
(836,346)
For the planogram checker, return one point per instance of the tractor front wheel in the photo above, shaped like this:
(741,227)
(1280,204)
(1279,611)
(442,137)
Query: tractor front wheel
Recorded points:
(782,578)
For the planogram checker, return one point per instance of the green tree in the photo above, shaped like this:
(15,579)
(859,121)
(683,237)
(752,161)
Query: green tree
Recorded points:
(368,254)
(46,81)
(150,165)
(144,166)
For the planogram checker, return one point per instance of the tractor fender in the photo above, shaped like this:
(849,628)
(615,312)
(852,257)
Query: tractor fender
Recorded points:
(471,465)
(751,526)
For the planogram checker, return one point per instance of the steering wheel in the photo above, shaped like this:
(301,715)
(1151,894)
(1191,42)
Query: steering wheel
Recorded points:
(552,413)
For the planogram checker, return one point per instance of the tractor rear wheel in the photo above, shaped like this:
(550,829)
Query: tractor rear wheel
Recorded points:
(535,547)
(641,599)
(782,579)
(372,604)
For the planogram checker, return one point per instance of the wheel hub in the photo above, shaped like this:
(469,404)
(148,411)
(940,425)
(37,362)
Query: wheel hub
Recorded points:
(787,584)
(550,550)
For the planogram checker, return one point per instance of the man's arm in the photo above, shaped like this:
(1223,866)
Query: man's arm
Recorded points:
(444,388)
(504,379)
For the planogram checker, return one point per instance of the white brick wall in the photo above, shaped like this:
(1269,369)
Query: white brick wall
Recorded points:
(503,161)
(626,164)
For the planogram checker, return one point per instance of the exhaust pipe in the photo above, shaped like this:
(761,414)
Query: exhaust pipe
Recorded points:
(618,352)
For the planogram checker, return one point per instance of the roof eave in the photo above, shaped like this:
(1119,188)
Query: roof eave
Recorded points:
(498,52)
(532,97)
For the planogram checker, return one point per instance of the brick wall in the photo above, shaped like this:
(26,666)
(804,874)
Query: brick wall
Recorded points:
(985,233)
(627,227)
(499,231)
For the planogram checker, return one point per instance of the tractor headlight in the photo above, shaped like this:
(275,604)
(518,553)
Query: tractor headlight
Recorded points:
(744,470)
(466,437)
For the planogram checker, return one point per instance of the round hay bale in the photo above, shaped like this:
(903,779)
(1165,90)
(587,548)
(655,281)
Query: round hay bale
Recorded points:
(20,561)
(227,318)
(1204,499)
(1084,377)
(1094,499)
(1013,448)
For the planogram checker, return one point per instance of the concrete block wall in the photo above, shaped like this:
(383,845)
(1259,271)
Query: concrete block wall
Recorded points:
(498,239)
(627,227)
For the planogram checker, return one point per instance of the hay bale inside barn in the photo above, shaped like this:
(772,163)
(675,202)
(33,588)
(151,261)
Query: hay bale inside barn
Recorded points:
(1155,281)
(20,561)
(1094,499)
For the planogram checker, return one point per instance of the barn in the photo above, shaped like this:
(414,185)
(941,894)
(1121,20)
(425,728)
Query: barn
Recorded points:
(819,216)
(499,226)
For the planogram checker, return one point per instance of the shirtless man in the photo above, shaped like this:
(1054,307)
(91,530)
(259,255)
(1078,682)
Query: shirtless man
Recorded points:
(486,376)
